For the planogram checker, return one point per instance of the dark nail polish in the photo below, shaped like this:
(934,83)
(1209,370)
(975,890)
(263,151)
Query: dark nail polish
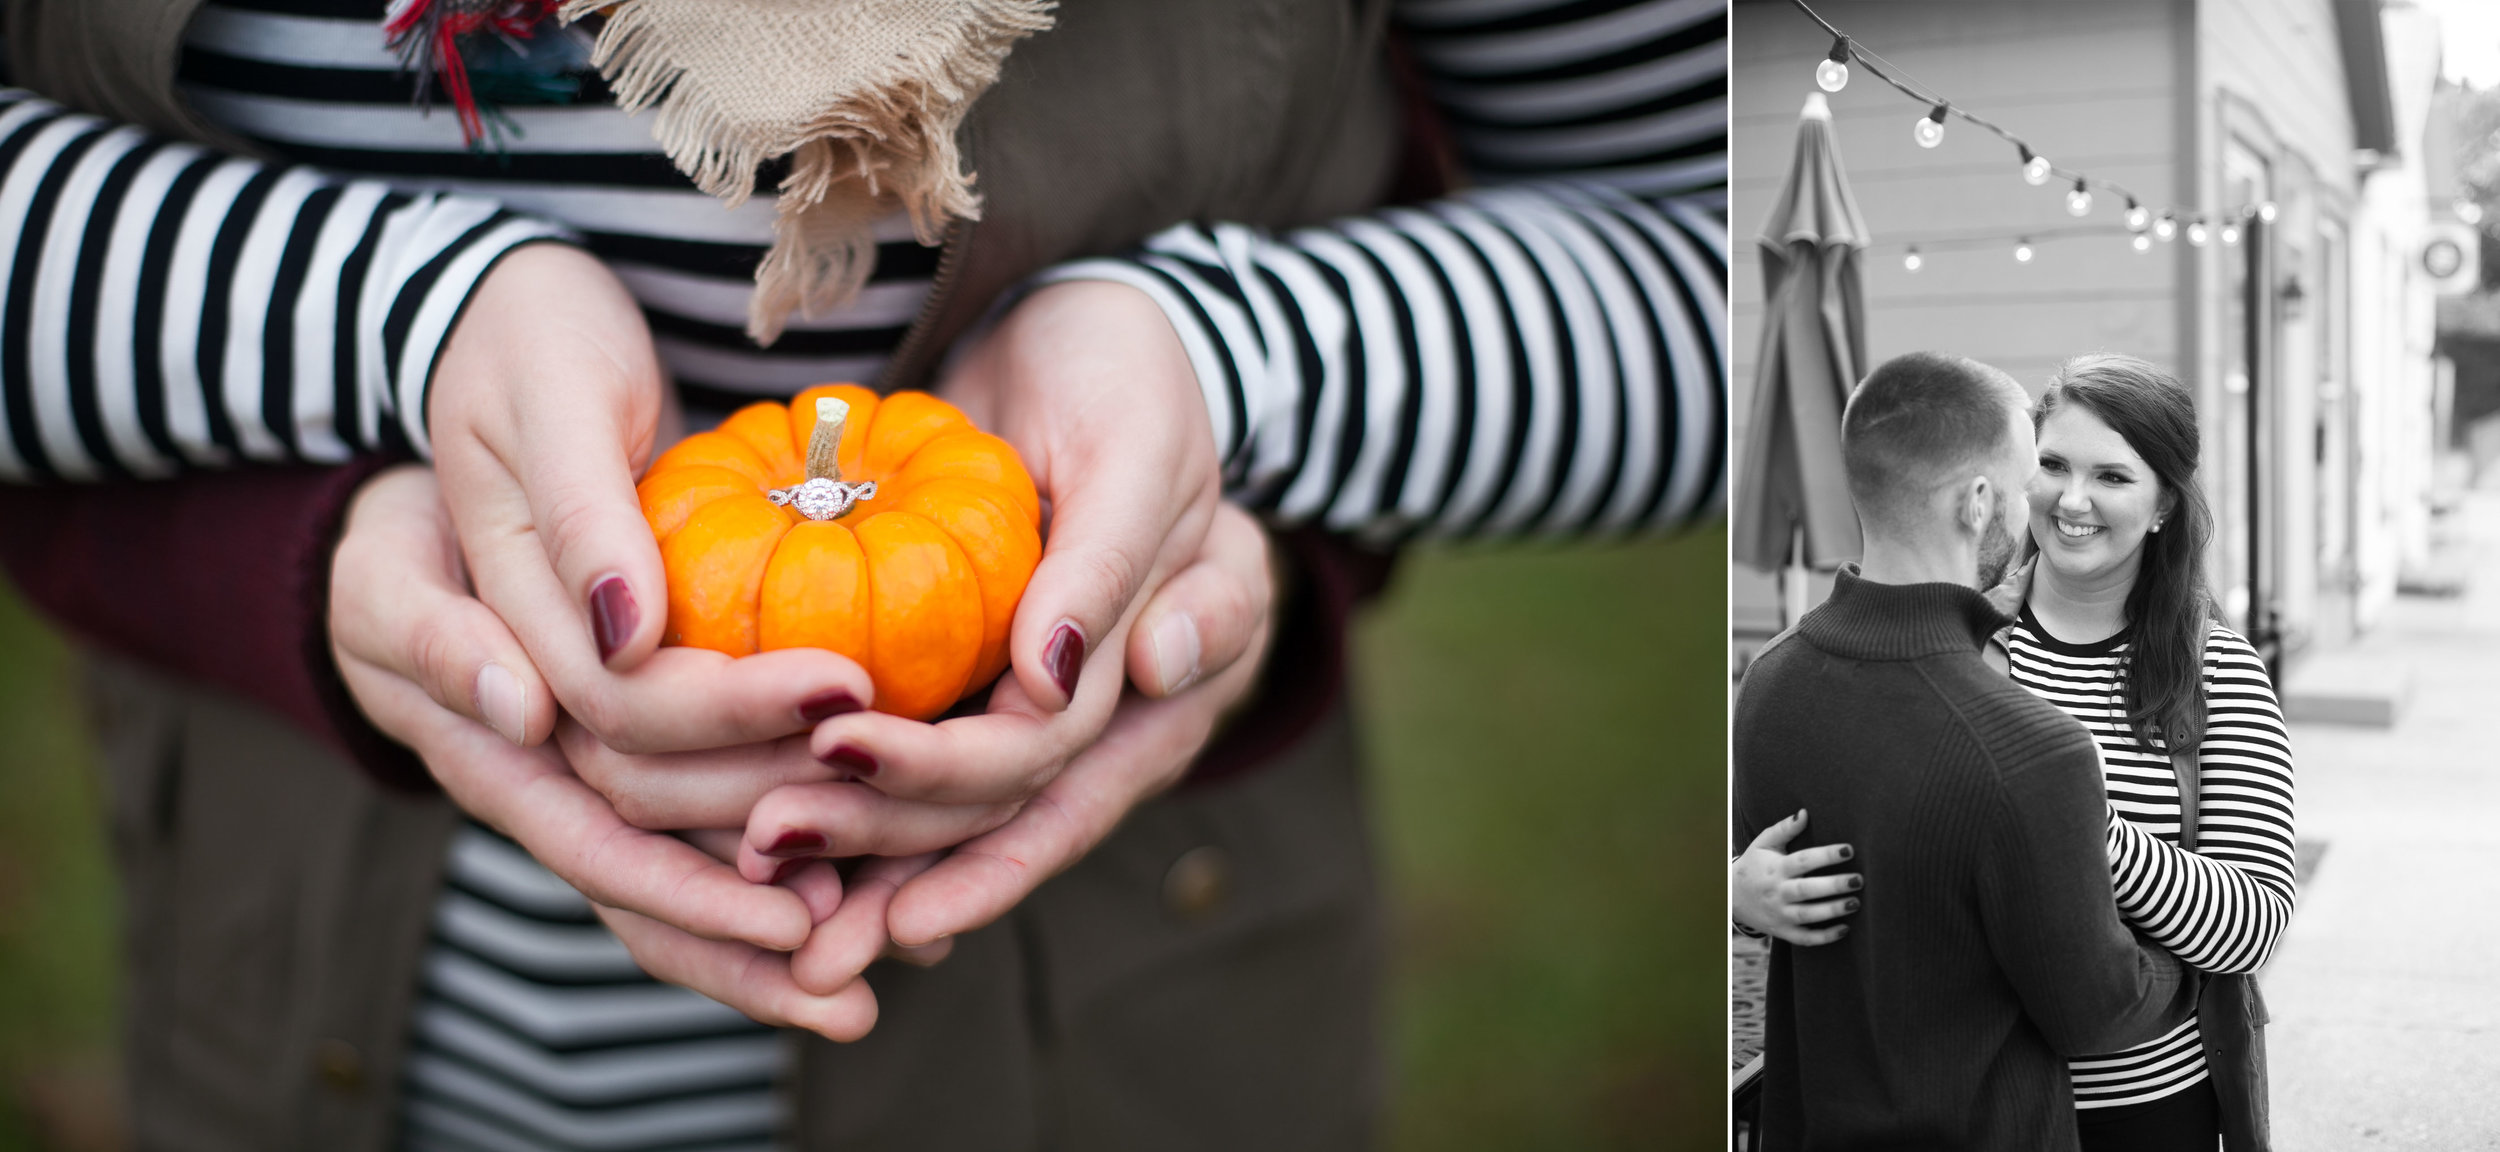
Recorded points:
(1851,906)
(613,615)
(790,868)
(1846,852)
(1065,657)
(797,843)
(827,704)
(1839,932)
(844,756)
(1856,883)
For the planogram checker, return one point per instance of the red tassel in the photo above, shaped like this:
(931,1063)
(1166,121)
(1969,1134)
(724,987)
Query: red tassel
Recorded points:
(426,34)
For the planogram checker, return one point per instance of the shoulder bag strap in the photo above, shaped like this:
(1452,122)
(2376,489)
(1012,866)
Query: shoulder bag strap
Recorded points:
(2183,764)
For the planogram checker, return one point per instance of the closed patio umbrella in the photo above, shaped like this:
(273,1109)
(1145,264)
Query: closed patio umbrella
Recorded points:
(1792,497)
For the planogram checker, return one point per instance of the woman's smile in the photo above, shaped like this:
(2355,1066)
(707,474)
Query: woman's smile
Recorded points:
(2094,499)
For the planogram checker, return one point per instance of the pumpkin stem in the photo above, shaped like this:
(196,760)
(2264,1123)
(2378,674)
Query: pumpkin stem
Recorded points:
(825,443)
(823,495)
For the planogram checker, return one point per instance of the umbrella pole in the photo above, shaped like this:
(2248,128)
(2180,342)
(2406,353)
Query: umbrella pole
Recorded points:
(1793,580)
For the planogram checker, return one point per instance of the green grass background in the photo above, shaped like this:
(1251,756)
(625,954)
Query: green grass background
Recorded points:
(1547,727)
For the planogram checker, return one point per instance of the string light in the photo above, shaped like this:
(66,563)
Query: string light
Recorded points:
(2196,232)
(2230,231)
(2265,211)
(2022,250)
(2035,166)
(2141,243)
(1929,131)
(1912,262)
(1832,74)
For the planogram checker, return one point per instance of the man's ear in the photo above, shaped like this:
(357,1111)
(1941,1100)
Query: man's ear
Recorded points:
(1979,503)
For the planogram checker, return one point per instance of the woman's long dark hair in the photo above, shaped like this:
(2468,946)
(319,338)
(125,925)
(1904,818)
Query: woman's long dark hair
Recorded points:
(2169,608)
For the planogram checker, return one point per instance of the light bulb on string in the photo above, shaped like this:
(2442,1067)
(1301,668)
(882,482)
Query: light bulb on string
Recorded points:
(2196,232)
(1929,131)
(1913,261)
(2022,250)
(2165,228)
(2265,211)
(2079,201)
(1832,74)
(2035,166)
(2141,243)
(2230,231)
(2138,219)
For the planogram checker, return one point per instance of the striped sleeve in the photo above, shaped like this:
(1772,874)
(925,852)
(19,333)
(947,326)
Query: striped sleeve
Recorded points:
(165,307)
(2222,907)
(1533,359)
(1544,355)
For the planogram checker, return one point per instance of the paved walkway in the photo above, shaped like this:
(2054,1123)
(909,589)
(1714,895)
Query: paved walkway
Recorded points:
(2385,990)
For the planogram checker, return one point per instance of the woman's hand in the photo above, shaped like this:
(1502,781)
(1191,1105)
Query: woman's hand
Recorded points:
(421,657)
(1223,596)
(1091,385)
(546,402)
(1768,889)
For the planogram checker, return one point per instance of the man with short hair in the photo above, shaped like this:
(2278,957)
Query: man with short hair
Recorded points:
(1992,948)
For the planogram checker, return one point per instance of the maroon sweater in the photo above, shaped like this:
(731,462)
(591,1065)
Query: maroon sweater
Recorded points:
(1988,948)
(223,578)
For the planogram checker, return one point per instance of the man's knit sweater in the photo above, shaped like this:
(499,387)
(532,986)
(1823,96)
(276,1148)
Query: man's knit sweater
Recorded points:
(1988,947)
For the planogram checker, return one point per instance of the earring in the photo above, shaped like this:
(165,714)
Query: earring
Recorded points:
(2156,525)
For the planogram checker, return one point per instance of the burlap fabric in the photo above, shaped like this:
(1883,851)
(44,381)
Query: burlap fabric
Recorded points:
(864,96)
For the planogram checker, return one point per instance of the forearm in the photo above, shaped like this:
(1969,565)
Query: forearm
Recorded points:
(221,579)
(167,307)
(1530,360)
(2216,916)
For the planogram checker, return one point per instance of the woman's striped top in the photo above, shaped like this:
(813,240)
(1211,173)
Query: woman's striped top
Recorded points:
(2220,908)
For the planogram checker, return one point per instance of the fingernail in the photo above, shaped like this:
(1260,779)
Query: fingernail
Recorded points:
(498,695)
(826,704)
(788,869)
(1176,652)
(1065,656)
(797,843)
(1847,852)
(1851,906)
(613,615)
(1856,883)
(1840,931)
(844,756)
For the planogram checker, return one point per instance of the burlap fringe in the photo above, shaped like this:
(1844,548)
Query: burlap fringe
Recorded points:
(891,142)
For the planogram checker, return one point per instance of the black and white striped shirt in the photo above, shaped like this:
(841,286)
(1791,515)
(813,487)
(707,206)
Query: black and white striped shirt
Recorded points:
(2220,908)
(1544,355)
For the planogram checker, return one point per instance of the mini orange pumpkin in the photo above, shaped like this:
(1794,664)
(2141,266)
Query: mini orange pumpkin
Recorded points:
(887,529)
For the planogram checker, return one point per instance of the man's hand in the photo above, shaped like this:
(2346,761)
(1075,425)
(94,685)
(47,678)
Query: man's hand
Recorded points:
(547,401)
(421,657)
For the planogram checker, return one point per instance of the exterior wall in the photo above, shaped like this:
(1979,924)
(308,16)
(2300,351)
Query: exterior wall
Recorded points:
(2096,86)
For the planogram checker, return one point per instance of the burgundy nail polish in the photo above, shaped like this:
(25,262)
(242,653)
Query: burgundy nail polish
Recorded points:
(826,704)
(1846,852)
(790,868)
(797,843)
(1065,657)
(844,756)
(613,615)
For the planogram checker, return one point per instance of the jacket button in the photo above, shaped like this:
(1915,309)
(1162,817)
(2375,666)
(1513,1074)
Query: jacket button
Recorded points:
(1198,882)
(339,1065)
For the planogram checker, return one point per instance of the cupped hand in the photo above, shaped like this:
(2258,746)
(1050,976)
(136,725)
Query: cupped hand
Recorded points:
(1769,891)
(420,656)
(1225,594)
(546,401)
(1091,385)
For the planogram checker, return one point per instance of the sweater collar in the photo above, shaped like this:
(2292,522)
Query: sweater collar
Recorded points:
(1865,620)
